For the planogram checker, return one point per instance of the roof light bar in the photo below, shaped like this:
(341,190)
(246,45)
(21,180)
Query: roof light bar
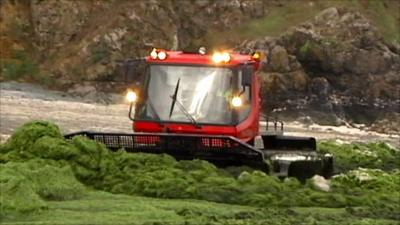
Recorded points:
(153,53)
(158,54)
(219,57)
(256,56)
(162,55)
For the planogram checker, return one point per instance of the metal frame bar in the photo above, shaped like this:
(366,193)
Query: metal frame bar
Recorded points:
(220,150)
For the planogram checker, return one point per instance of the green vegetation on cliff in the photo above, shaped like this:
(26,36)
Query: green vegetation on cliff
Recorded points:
(383,13)
(21,66)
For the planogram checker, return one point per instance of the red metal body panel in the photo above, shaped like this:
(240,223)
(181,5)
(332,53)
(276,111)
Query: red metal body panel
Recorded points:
(185,128)
(246,130)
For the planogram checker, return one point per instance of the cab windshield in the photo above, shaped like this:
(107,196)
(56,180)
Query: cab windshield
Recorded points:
(203,92)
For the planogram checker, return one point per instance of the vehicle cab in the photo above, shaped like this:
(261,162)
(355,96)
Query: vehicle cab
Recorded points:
(198,93)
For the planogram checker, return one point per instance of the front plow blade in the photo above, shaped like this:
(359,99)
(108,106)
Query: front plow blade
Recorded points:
(219,150)
(293,156)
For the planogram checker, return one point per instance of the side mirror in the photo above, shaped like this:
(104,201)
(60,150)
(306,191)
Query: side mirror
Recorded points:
(247,75)
(130,70)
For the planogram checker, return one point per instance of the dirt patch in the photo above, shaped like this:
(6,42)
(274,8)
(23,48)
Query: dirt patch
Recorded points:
(21,103)
(102,112)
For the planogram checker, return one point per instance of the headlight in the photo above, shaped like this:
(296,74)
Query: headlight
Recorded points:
(131,96)
(219,57)
(225,57)
(162,55)
(158,54)
(153,53)
(256,56)
(236,102)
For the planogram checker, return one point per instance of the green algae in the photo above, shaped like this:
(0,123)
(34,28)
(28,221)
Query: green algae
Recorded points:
(376,191)
(17,193)
(105,208)
(366,155)
(25,185)
(162,176)
(53,148)
(25,136)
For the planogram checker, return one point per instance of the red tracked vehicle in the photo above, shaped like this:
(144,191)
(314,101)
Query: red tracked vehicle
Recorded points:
(197,105)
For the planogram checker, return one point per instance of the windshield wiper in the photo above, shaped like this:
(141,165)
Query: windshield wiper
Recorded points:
(187,114)
(174,98)
(180,105)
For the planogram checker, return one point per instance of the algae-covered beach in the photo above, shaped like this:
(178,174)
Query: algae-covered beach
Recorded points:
(44,176)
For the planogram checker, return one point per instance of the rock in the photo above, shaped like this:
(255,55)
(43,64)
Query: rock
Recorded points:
(367,62)
(273,83)
(327,16)
(279,60)
(294,64)
(70,37)
(113,38)
(321,92)
(201,3)
(337,61)
(388,123)
(254,8)
(321,183)
(334,66)
(57,22)
(298,80)
(96,71)
(306,121)
(82,89)
(320,86)
(394,47)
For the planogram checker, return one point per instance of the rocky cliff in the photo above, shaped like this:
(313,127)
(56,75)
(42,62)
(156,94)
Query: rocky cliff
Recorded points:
(81,40)
(336,67)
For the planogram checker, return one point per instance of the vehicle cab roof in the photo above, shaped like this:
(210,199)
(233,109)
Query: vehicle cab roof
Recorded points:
(180,57)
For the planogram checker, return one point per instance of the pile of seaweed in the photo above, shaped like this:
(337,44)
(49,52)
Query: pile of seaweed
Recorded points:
(377,155)
(38,164)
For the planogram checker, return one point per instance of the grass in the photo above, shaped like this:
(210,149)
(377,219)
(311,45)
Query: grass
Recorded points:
(98,56)
(22,67)
(383,14)
(277,21)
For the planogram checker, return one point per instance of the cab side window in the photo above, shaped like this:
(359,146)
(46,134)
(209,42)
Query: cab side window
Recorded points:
(245,84)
